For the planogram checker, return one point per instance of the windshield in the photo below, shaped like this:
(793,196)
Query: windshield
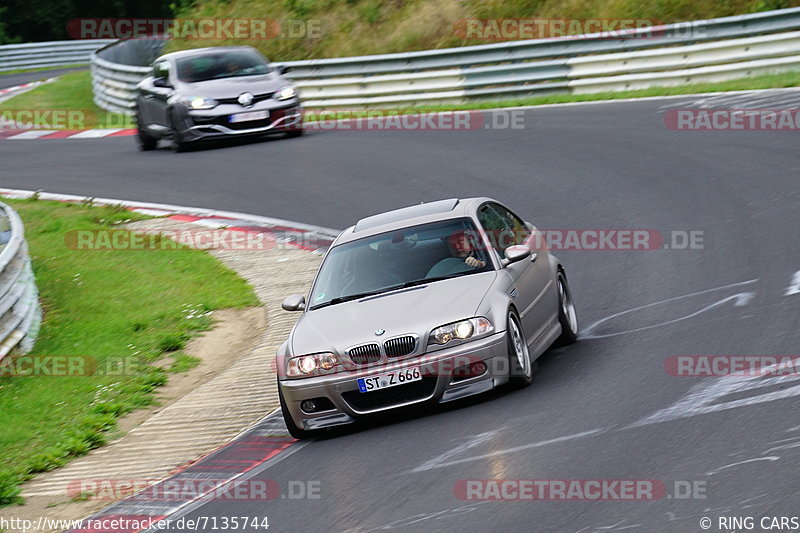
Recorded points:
(397,259)
(230,64)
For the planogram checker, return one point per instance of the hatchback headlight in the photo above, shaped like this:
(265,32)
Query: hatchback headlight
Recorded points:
(461,330)
(198,102)
(307,365)
(286,93)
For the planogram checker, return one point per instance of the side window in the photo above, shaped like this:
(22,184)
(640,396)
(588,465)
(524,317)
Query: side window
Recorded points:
(161,70)
(494,226)
(514,223)
(503,227)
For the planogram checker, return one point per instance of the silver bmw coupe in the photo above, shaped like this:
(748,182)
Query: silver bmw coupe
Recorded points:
(429,303)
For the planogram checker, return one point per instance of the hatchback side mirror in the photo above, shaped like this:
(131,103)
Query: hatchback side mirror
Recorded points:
(162,82)
(295,302)
(516,253)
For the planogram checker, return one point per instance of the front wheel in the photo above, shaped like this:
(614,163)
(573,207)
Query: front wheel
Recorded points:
(144,140)
(178,143)
(567,316)
(294,431)
(520,367)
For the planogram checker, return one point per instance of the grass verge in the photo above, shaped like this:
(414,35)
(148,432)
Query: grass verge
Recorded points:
(109,307)
(71,92)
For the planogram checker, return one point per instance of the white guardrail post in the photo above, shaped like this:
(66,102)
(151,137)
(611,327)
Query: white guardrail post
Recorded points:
(20,313)
(690,52)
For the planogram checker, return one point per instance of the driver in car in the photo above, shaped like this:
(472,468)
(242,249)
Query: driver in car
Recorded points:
(463,257)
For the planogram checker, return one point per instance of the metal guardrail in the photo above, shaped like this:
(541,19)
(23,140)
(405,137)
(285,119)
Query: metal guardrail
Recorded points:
(48,54)
(20,314)
(698,51)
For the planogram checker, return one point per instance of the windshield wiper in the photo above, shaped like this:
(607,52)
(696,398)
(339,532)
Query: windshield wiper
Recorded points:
(340,299)
(349,297)
(416,282)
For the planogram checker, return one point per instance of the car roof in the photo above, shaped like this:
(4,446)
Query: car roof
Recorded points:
(195,52)
(414,215)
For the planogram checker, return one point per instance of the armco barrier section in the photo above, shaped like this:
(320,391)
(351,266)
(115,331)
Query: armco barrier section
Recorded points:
(20,314)
(48,54)
(691,52)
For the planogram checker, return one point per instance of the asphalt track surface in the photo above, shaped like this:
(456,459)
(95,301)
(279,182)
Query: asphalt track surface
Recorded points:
(604,408)
(12,80)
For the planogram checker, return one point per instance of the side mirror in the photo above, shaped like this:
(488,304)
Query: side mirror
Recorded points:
(295,302)
(162,82)
(516,253)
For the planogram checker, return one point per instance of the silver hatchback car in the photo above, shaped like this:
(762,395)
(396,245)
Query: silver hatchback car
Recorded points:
(429,303)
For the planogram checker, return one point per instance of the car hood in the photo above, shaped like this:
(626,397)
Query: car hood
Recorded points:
(233,87)
(415,310)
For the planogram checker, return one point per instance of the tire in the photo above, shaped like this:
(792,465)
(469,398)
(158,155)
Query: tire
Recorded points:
(567,316)
(144,140)
(520,366)
(294,431)
(178,144)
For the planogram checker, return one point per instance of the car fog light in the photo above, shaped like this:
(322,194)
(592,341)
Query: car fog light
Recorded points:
(308,406)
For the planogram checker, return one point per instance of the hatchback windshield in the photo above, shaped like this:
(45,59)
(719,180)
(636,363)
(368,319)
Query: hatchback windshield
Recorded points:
(397,259)
(220,65)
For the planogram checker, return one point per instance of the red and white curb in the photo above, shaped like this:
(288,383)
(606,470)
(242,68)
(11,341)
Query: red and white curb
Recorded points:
(33,134)
(315,239)
(25,86)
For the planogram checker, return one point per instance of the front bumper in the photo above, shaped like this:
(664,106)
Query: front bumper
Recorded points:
(215,123)
(439,384)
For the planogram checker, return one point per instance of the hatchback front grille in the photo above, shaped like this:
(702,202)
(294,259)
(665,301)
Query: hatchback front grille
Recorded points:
(400,346)
(365,354)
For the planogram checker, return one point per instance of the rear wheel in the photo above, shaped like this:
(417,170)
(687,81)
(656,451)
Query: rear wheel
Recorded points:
(520,366)
(567,316)
(294,431)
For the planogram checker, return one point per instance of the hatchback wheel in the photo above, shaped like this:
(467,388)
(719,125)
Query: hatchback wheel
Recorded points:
(178,144)
(145,141)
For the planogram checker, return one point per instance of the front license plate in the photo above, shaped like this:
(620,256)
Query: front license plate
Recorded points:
(391,379)
(252,115)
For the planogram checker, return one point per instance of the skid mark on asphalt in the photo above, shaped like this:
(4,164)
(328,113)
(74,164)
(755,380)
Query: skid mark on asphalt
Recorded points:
(445,459)
(709,395)
(738,299)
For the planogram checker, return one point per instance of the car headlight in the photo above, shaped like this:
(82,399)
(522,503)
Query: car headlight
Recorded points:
(286,93)
(199,102)
(461,330)
(307,365)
